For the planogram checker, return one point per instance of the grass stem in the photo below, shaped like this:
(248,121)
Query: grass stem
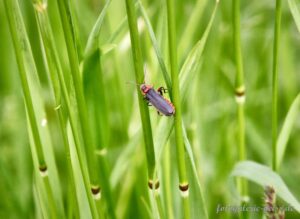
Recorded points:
(275,83)
(82,111)
(183,181)
(240,94)
(22,50)
(139,75)
(47,38)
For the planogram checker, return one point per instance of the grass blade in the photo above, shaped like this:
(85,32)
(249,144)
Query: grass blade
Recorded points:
(156,48)
(198,206)
(275,82)
(264,176)
(89,146)
(286,129)
(182,172)
(35,111)
(139,75)
(295,12)
(92,43)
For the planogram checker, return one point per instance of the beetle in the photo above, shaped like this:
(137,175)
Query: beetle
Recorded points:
(157,99)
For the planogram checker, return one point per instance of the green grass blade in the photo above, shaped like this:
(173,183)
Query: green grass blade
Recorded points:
(93,39)
(188,70)
(192,25)
(193,60)
(139,75)
(276,45)
(180,153)
(156,48)
(94,88)
(264,176)
(35,110)
(198,206)
(295,12)
(286,129)
(81,187)
(54,66)
(89,144)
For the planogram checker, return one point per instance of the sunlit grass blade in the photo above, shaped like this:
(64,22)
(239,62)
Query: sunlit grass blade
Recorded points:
(192,26)
(60,87)
(198,205)
(93,40)
(188,70)
(94,88)
(54,66)
(295,12)
(284,135)
(89,144)
(118,31)
(37,120)
(276,44)
(156,48)
(264,176)
(240,95)
(193,60)
(139,75)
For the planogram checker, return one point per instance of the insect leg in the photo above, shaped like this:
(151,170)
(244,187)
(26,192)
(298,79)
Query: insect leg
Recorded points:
(162,90)
(147,99)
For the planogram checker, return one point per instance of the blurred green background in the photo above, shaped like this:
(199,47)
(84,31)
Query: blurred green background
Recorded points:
(209,110)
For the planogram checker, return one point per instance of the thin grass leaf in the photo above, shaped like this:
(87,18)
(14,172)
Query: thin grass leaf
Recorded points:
(54,67)
(295,12)
(118,30)
(106,48)
(123,162)
(193,60)
(139,77)
(156,48)
(42,148)
(82,198)
(89,144)
(164,129)
(188,70)
(286,129)
(198,205)
(94,89)
(147,207)
(276,44)
(264,176)
(192,25)
(92,43)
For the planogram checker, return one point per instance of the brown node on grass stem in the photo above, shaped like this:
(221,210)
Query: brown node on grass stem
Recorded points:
(150,184)
(43,170)
(240,95)
(184,187)
(240,91)
(95,190)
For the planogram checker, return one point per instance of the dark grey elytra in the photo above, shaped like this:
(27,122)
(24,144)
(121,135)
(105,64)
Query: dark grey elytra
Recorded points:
(163,105)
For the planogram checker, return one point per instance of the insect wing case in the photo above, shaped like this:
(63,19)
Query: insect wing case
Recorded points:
(159,102)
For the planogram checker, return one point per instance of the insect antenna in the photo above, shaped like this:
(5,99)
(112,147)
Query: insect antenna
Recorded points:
(131,82)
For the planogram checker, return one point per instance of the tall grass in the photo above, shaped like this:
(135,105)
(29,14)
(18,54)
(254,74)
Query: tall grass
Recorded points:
(275,82)
(240,90)
(77,140)
(183,181)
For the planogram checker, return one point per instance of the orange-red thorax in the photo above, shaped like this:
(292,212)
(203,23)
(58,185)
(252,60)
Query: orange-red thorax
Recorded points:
(145,88)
